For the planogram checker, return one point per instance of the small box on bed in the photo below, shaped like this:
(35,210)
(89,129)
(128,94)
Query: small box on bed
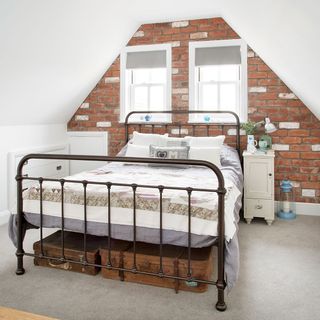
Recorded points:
(73,250)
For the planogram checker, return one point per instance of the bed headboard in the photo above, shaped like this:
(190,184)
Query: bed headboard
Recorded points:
(180,124)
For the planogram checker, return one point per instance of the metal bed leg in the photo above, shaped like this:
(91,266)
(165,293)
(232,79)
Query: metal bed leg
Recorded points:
(20,252)
(221,305)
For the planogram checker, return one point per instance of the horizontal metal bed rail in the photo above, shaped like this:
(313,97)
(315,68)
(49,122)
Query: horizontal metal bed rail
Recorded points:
(147,186)
(110,267)
(220,191)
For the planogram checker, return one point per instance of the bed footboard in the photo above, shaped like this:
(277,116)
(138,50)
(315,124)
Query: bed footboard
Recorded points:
(220,191)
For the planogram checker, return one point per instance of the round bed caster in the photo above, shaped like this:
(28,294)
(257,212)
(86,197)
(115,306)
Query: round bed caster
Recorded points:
(20,272)
(221,306)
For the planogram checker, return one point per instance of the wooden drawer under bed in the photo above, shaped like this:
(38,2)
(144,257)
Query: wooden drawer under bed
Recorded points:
(174,261)
(73,244)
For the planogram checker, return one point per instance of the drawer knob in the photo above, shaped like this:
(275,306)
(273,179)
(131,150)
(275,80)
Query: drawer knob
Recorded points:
(270,174)
(258,206)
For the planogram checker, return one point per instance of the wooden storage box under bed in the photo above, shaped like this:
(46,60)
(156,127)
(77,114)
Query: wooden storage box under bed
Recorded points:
(174,262)
(73,250)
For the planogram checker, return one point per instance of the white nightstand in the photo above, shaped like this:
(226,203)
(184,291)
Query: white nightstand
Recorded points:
(259,186)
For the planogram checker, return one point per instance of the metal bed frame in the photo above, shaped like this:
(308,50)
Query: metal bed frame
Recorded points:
(219,242)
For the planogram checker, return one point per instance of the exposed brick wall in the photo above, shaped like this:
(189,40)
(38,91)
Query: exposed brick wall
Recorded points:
(297,141)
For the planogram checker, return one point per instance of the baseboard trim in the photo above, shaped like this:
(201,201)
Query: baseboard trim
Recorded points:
(303,208)
(4,217)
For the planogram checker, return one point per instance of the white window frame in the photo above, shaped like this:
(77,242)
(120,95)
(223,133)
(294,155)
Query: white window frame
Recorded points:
(123,85)
(243,107)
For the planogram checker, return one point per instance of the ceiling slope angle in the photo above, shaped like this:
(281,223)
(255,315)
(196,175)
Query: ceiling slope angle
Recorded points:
(52,53)
(285,34)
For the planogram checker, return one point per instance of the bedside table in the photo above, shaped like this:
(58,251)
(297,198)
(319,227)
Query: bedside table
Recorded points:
(259,186)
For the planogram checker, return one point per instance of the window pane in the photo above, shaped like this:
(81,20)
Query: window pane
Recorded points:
(209,73)
(228,97)
(156,98)
(229,72)
(140,98)
(208,96)
(153,75)
(140,76)
(158,75)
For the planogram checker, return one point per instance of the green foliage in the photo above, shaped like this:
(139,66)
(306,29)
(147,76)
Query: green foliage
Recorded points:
(249,127)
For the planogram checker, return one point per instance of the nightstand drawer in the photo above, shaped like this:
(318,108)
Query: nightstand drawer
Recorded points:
(259,208)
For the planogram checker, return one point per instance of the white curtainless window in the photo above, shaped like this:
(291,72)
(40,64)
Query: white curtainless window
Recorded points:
(146,81)
(218,79)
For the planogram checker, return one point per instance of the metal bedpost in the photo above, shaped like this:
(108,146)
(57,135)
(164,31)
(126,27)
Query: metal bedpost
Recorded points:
(221,305)
(161,231)
(20,252)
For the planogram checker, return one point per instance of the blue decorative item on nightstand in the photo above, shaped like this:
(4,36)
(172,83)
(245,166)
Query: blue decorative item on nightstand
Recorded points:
(286,201)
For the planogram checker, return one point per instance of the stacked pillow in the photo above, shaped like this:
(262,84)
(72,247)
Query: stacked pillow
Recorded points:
(206,148)
(140,143)
(161,146)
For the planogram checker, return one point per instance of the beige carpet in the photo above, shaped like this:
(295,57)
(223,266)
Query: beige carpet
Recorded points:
(279,279)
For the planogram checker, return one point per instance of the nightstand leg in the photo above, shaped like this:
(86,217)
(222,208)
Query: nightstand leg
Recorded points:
(269,222)
(248,220)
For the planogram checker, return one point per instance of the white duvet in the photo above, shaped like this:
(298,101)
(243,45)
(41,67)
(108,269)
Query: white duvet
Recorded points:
(142,174)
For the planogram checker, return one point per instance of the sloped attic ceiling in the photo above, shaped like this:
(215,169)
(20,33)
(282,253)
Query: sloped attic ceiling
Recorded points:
(52,53)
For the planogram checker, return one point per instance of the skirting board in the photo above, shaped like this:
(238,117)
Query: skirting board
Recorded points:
(302,208)
(4,217)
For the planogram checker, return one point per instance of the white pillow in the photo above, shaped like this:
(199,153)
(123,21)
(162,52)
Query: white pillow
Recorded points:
(146,139)
(206,141)
(137,151)
(211,154)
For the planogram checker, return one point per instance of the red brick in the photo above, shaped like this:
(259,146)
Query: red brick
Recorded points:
(257,75)
(315,133)
(291,140)
(298,177)
(306,163)
(300,147)
(255,61)
(309,170)
(312,140)
(298,133)
(310,155)
(289,154)
(310,185)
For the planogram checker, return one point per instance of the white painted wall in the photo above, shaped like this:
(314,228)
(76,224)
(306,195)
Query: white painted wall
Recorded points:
(52,53)
(23,137)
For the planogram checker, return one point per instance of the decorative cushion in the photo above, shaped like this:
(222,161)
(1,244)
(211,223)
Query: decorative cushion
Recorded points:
(176,142)
(169,152)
